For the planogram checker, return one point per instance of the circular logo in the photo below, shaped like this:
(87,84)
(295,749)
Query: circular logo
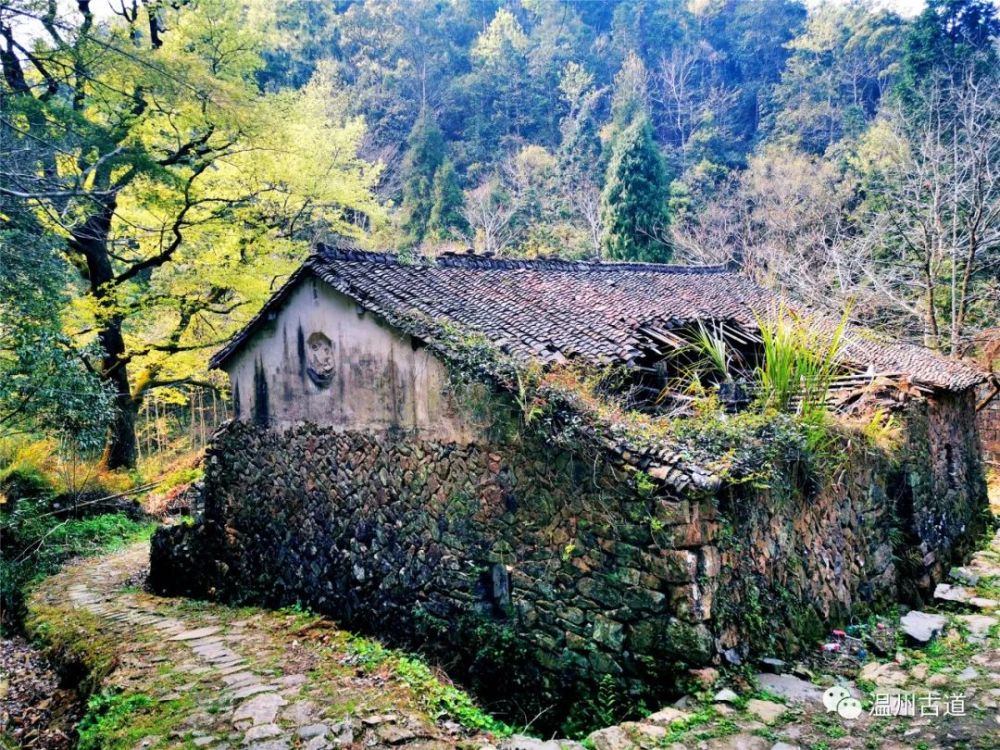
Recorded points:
(835,695)
(849,708)
(839,699)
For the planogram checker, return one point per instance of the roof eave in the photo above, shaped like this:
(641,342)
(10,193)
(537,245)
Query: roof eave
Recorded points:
(241,337)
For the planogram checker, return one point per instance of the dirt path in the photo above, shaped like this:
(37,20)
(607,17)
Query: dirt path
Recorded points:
(184,674)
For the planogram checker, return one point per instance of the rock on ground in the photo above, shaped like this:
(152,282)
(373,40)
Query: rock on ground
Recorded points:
(921,626)
(791,688)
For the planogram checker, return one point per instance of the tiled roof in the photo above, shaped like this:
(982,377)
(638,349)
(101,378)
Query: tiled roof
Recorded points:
(555,310)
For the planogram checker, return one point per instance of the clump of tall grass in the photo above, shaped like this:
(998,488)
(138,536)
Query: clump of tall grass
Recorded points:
(710,342)
(800,360)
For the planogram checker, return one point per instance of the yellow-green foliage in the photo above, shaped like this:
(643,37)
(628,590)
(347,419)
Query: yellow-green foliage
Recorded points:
(40,468)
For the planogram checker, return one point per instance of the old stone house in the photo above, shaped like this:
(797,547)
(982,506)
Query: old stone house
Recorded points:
(413,454)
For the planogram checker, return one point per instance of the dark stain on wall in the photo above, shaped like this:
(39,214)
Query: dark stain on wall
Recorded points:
(395,389)
(261,407)
(287,393)
(300,349)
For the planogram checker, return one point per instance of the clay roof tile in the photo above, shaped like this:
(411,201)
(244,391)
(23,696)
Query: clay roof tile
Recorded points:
(558,309)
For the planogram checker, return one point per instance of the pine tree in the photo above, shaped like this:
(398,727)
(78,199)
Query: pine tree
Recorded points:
(447,220)
(424,155)
(634,201)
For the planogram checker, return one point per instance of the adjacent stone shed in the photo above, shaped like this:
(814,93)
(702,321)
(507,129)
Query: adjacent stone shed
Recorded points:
(413,453)
(989,422)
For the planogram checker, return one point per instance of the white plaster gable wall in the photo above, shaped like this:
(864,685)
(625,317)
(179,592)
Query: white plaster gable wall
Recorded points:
(379,379)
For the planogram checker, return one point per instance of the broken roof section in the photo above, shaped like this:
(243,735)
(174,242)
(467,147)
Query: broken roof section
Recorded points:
(558,310)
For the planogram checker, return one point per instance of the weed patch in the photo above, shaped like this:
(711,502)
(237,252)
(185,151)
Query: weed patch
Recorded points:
(437,696)
(109,716)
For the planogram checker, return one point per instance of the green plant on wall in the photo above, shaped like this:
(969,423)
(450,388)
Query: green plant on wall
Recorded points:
(711,343)
(644,484)
(800,359)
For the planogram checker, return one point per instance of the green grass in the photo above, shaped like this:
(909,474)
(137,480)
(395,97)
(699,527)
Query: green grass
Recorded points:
(36,545)
(799,361)
(711,344)
(831,727)
(109,715)
(116,720)
(678,730)
(951,652)
(437,697)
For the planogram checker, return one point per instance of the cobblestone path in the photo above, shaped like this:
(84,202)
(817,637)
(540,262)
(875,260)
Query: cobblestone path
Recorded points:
(215,677)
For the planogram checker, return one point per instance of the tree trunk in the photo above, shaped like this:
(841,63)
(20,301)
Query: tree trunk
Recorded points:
(120,451)
(91,241)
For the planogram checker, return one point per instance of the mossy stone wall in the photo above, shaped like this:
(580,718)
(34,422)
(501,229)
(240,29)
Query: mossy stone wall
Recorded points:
(535,573)
(989,425)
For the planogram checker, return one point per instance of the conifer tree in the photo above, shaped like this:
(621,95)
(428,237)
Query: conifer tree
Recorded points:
(634,201)
(447,220)
(424,154)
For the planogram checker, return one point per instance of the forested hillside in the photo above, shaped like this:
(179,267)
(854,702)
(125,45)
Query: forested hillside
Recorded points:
(163,166)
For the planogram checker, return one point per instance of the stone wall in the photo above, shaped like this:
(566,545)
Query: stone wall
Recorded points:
(884,528)
(538,573)
(989,427)
(942,500)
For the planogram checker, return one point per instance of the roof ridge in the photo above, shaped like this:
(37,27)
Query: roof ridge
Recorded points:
(472,261)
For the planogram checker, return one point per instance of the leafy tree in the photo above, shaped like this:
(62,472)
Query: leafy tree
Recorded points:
(300,35)
(395,57)
(499,91)
(947,36)
(750,40)
(557,38)
(174,187)
(841,66)
(580,151)
(650,29)
(633,204)
(44,380)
